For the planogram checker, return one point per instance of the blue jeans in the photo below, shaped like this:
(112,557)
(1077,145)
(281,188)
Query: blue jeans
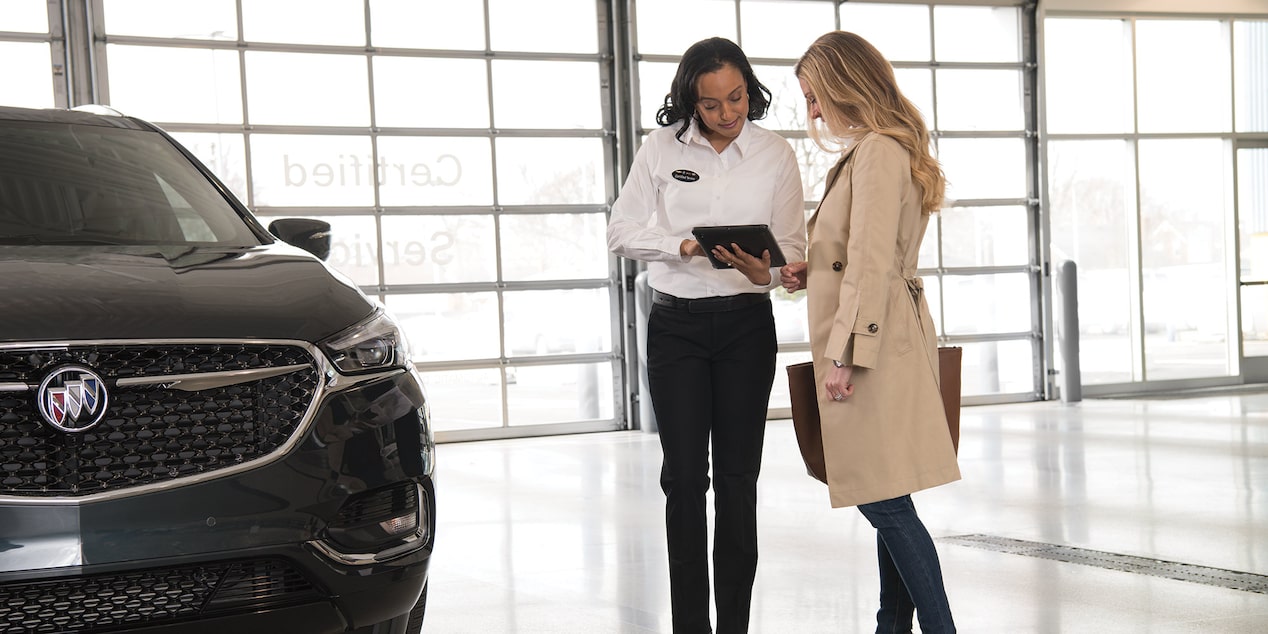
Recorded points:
(911,578)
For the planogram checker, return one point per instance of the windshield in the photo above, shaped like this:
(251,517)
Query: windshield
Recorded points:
(83,184)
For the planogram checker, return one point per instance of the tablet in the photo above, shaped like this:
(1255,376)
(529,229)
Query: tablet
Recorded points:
(753,239)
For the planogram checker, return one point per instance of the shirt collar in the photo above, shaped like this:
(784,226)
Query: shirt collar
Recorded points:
(741,143)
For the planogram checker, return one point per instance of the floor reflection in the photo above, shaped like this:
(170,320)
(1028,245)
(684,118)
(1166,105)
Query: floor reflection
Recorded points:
(565,534)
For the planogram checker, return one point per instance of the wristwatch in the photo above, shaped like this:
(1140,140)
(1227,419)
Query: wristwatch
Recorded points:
(838,363)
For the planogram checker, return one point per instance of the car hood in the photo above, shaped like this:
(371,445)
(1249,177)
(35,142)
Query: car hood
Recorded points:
(56,293)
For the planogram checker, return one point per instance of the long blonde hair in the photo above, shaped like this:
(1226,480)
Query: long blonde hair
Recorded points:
(856,91)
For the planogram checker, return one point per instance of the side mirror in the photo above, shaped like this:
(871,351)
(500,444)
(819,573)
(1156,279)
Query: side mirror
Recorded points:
(310,235)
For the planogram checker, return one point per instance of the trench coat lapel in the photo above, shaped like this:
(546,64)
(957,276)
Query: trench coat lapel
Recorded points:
(831,179)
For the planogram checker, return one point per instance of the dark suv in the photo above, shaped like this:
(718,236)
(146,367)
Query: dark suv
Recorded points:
(202,428)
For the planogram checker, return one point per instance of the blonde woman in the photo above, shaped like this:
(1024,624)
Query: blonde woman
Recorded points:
(871,335)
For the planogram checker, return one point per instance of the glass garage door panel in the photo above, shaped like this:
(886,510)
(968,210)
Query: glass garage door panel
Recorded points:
(516,25)
(199,85)
(466,89)
(983,304)
(310,170)
(997,367)
(977,34)
(899,31)
(790,317)
(448,326)
(917,86)
(983,236)
(282,88)
(654,79)
(984,168)
(546,171)
(661,36)
(204,20)
(469,399)
(413,24)
(439,249)
(415,171)
(550,322)
(933,296)
(788,106)
(342,23)
(575,100)
(980,100)
(541,247)
(537,395)
(815,165)
(777,28)
(27,82)
(26,16)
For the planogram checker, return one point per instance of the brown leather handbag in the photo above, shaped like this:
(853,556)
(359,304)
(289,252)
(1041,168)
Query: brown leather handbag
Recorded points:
(803,393)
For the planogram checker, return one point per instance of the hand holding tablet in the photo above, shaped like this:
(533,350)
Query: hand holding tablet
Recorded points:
(752,239)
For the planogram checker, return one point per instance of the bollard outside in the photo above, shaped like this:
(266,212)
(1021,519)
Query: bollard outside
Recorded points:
(643,308)
(1068,333)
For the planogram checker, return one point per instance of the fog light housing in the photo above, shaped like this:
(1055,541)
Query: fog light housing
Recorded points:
(378,520)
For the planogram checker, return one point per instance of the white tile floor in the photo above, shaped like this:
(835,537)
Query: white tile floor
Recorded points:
(565,533)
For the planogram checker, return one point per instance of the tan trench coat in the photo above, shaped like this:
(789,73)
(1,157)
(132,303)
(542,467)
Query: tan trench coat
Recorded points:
(867,309)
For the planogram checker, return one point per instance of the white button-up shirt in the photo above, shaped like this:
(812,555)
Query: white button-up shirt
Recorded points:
(676,185)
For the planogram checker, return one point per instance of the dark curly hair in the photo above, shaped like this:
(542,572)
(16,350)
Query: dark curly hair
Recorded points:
(704,57)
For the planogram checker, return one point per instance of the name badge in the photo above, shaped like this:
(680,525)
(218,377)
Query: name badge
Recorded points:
(686,176)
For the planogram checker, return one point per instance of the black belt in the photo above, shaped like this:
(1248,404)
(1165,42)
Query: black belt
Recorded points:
(708,304)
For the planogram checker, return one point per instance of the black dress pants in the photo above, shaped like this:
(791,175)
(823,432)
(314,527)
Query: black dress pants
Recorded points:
(710,374)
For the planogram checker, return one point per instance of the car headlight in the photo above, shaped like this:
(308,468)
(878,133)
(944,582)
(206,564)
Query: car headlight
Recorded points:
(374,344)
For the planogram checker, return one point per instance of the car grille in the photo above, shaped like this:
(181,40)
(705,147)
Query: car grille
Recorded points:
(110,602)
(151,432)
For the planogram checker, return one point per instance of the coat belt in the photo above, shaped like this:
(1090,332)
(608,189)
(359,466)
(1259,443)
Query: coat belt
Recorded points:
(915,286)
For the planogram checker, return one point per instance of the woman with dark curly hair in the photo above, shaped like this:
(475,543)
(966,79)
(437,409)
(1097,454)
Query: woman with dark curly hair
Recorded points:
(711,334)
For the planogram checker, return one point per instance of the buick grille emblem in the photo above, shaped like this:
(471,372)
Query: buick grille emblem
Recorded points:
(73,398)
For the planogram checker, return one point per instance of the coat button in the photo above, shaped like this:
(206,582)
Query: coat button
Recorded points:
(872,328)
(836,266)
